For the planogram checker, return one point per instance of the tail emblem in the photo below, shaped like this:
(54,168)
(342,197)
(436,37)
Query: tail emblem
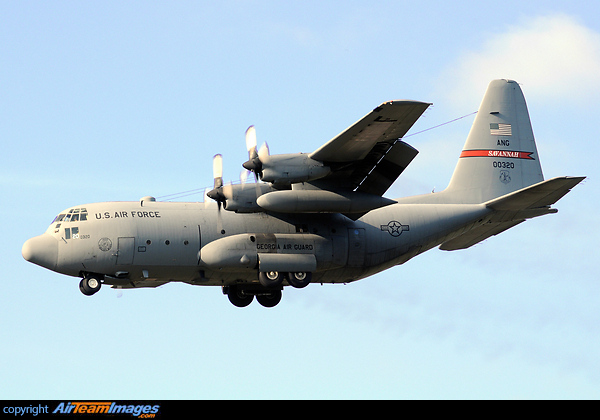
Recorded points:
(505,177)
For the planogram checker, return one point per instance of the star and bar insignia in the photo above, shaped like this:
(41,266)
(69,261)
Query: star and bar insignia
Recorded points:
(394,228)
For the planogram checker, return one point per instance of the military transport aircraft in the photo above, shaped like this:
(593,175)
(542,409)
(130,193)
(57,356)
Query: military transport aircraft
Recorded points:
(313,218)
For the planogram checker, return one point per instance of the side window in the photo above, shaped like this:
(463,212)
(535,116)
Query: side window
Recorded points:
(72,233)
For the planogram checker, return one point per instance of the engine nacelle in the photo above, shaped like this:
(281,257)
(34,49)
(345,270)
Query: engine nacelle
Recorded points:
(319,201)
(292,168)
(241,198)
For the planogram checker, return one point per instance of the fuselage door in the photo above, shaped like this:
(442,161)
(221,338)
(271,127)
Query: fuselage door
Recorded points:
(125,251)
(356,247)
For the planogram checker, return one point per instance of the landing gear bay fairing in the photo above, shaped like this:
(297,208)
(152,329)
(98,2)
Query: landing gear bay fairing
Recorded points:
(313,218)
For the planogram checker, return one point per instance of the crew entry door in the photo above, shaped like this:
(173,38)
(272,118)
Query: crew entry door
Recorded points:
(125,251)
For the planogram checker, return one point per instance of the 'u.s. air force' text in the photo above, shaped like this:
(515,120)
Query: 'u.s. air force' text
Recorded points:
(127,214)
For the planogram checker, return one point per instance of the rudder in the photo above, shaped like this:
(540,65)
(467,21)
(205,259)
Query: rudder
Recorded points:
(500,155)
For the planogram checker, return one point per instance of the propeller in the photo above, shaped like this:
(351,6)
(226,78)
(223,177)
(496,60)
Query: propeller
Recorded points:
(221,192)
(256,158)
(217,192)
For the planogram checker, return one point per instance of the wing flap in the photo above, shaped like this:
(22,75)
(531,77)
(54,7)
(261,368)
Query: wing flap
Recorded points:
(378,176)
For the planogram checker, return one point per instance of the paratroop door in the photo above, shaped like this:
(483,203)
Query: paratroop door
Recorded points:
(356,247)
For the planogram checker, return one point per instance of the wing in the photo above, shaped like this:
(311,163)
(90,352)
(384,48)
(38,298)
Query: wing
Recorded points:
(368,156)
(385,124)
(347,175)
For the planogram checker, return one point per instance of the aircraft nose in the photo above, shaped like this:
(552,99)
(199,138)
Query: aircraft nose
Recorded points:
(41,250)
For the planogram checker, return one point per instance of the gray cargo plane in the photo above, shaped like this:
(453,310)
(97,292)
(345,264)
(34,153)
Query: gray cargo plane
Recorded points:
(313,218)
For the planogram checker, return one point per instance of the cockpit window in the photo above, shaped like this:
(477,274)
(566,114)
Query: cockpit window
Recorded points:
(73,215)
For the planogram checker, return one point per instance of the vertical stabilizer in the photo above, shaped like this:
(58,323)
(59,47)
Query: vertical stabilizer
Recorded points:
(500,155)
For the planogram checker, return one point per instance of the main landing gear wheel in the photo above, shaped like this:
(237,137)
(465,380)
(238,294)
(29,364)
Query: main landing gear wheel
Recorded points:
(238,297)
(270,278)
(268,300)
(299,279)
(90,285)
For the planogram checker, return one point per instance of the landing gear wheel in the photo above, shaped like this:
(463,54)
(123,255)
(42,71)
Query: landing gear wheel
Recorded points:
(269,300)
(299,279)
(238,297)
(270,278)
(89,285)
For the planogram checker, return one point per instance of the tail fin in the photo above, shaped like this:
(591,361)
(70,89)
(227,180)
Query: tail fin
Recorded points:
(500,155)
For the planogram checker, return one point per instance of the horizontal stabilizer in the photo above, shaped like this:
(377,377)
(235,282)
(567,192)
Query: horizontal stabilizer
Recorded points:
(542,194)
(477,235)
(514,208)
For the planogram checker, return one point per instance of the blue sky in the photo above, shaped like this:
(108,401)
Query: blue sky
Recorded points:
(117,100)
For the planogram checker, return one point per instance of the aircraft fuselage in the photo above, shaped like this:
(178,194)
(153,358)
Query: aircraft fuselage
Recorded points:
(138,244)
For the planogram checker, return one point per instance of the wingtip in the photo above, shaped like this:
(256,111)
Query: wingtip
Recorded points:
(401,102)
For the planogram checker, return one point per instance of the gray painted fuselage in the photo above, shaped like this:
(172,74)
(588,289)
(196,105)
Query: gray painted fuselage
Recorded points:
(151,243)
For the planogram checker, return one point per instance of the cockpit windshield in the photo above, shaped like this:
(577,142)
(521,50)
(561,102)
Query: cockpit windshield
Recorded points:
(73,215)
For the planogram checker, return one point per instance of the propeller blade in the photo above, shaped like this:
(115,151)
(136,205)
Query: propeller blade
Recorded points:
(219,220)
(218,170)
(263,153)
(219,192)
(244,176)
(251,142)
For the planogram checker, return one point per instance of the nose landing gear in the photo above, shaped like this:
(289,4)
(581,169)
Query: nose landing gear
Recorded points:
(90,284)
